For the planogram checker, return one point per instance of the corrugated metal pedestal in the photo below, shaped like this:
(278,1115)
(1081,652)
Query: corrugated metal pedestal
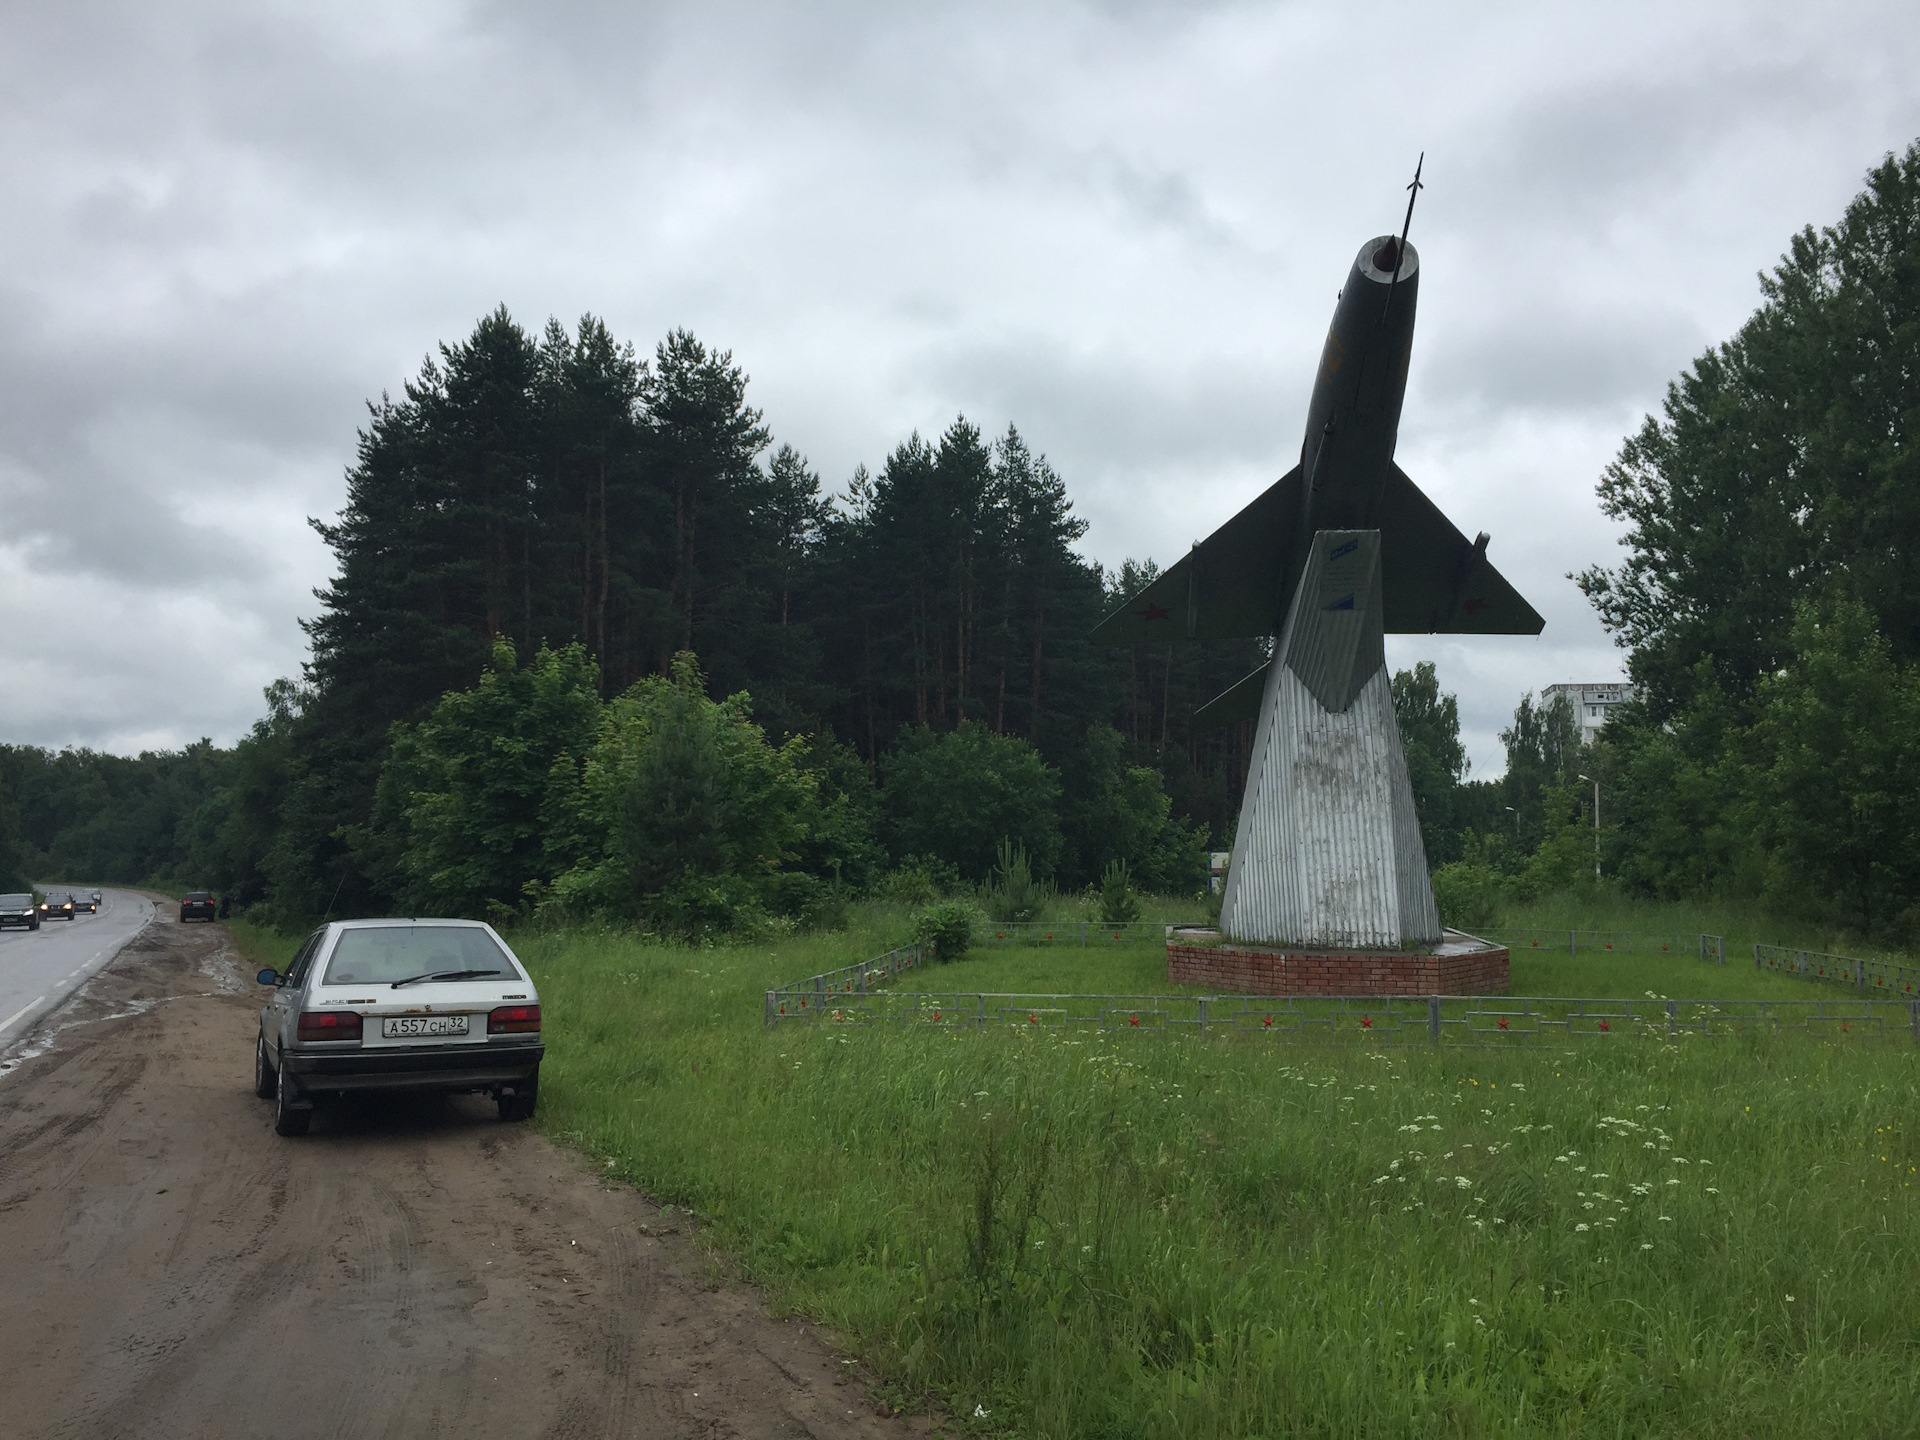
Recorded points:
(1328,852)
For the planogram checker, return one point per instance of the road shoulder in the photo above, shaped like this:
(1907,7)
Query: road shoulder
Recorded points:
(426,1268)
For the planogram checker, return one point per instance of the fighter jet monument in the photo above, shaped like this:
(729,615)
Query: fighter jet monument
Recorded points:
(1340,550)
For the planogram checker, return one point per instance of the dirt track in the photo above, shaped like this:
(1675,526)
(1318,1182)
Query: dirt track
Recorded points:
(172,1268)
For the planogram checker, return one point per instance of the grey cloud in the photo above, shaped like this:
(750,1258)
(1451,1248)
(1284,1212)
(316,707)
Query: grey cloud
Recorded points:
(1554,353)
(1118,226)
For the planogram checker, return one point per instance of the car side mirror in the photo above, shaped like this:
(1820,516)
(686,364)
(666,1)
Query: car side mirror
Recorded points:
(268,977)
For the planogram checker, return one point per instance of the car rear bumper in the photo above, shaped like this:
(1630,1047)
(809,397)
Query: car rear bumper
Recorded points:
(452,1067)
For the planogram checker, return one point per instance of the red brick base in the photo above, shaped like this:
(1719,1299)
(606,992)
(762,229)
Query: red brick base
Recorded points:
(1248,971)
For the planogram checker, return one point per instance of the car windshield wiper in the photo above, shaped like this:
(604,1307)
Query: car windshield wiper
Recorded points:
(444,975)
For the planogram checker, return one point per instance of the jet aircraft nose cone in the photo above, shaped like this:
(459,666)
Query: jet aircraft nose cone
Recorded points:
(1387,256)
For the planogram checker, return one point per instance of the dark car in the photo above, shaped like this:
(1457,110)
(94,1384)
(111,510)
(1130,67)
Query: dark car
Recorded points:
(83,900)
(19,910)
(398,1005)
(198,906)
(57,906)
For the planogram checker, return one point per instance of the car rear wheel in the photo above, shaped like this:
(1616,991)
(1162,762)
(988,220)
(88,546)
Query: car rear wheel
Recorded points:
(266,1084)
(520,1105)
(286,1119)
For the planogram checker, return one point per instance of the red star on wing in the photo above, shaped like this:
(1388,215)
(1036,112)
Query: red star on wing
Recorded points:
(1473,604)
(1155,612)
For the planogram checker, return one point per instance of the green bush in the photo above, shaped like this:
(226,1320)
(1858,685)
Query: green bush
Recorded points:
(918,880)
(1468,894)
(683,816)
(946,929)
(952,796)
(1115,810)
(1119,901)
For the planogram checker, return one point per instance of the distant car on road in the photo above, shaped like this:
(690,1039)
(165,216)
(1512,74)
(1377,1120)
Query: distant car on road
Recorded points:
(19,910)
(57,906)
(96,899)
(421,1005)
(198,905)
(84,900)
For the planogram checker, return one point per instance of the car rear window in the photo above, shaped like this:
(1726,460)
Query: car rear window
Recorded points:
(200,895)
(381,954)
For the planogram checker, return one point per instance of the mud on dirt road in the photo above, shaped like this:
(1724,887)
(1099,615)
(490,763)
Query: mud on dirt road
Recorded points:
(413,1268)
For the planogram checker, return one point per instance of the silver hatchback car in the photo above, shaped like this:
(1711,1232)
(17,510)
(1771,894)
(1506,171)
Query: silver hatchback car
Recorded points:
(421,1005)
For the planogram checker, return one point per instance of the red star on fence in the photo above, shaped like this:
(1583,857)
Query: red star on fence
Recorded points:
(1154,612)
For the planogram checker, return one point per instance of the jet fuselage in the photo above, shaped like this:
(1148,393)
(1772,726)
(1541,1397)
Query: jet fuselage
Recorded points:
(1353,419)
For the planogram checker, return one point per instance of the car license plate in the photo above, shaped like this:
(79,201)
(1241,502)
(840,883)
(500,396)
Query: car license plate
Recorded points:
(404,1026)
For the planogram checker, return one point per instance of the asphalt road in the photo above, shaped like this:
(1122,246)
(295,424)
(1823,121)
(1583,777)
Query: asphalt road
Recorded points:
(40,968)
(412,1270)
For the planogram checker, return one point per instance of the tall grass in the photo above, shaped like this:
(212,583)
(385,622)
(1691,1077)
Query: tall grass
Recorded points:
(1080,1235)
(1740,922)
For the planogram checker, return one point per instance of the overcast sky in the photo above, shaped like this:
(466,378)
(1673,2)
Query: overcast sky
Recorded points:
(1119,227)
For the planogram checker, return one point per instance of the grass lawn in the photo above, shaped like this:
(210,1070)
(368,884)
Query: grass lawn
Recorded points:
(1064,1235)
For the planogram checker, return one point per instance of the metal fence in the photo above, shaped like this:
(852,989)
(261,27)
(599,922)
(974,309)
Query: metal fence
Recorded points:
(1711,948)
(1383,1020)
(994,934)
(1877,977)
(805,998)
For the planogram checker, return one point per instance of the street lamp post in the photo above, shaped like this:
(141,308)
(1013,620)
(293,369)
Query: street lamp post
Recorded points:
(1596,828)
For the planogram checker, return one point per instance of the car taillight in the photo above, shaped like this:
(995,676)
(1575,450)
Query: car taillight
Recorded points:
(329,1025)
(514,1020)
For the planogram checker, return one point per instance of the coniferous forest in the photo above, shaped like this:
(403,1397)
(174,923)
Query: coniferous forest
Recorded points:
(544,504)
(597,640)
